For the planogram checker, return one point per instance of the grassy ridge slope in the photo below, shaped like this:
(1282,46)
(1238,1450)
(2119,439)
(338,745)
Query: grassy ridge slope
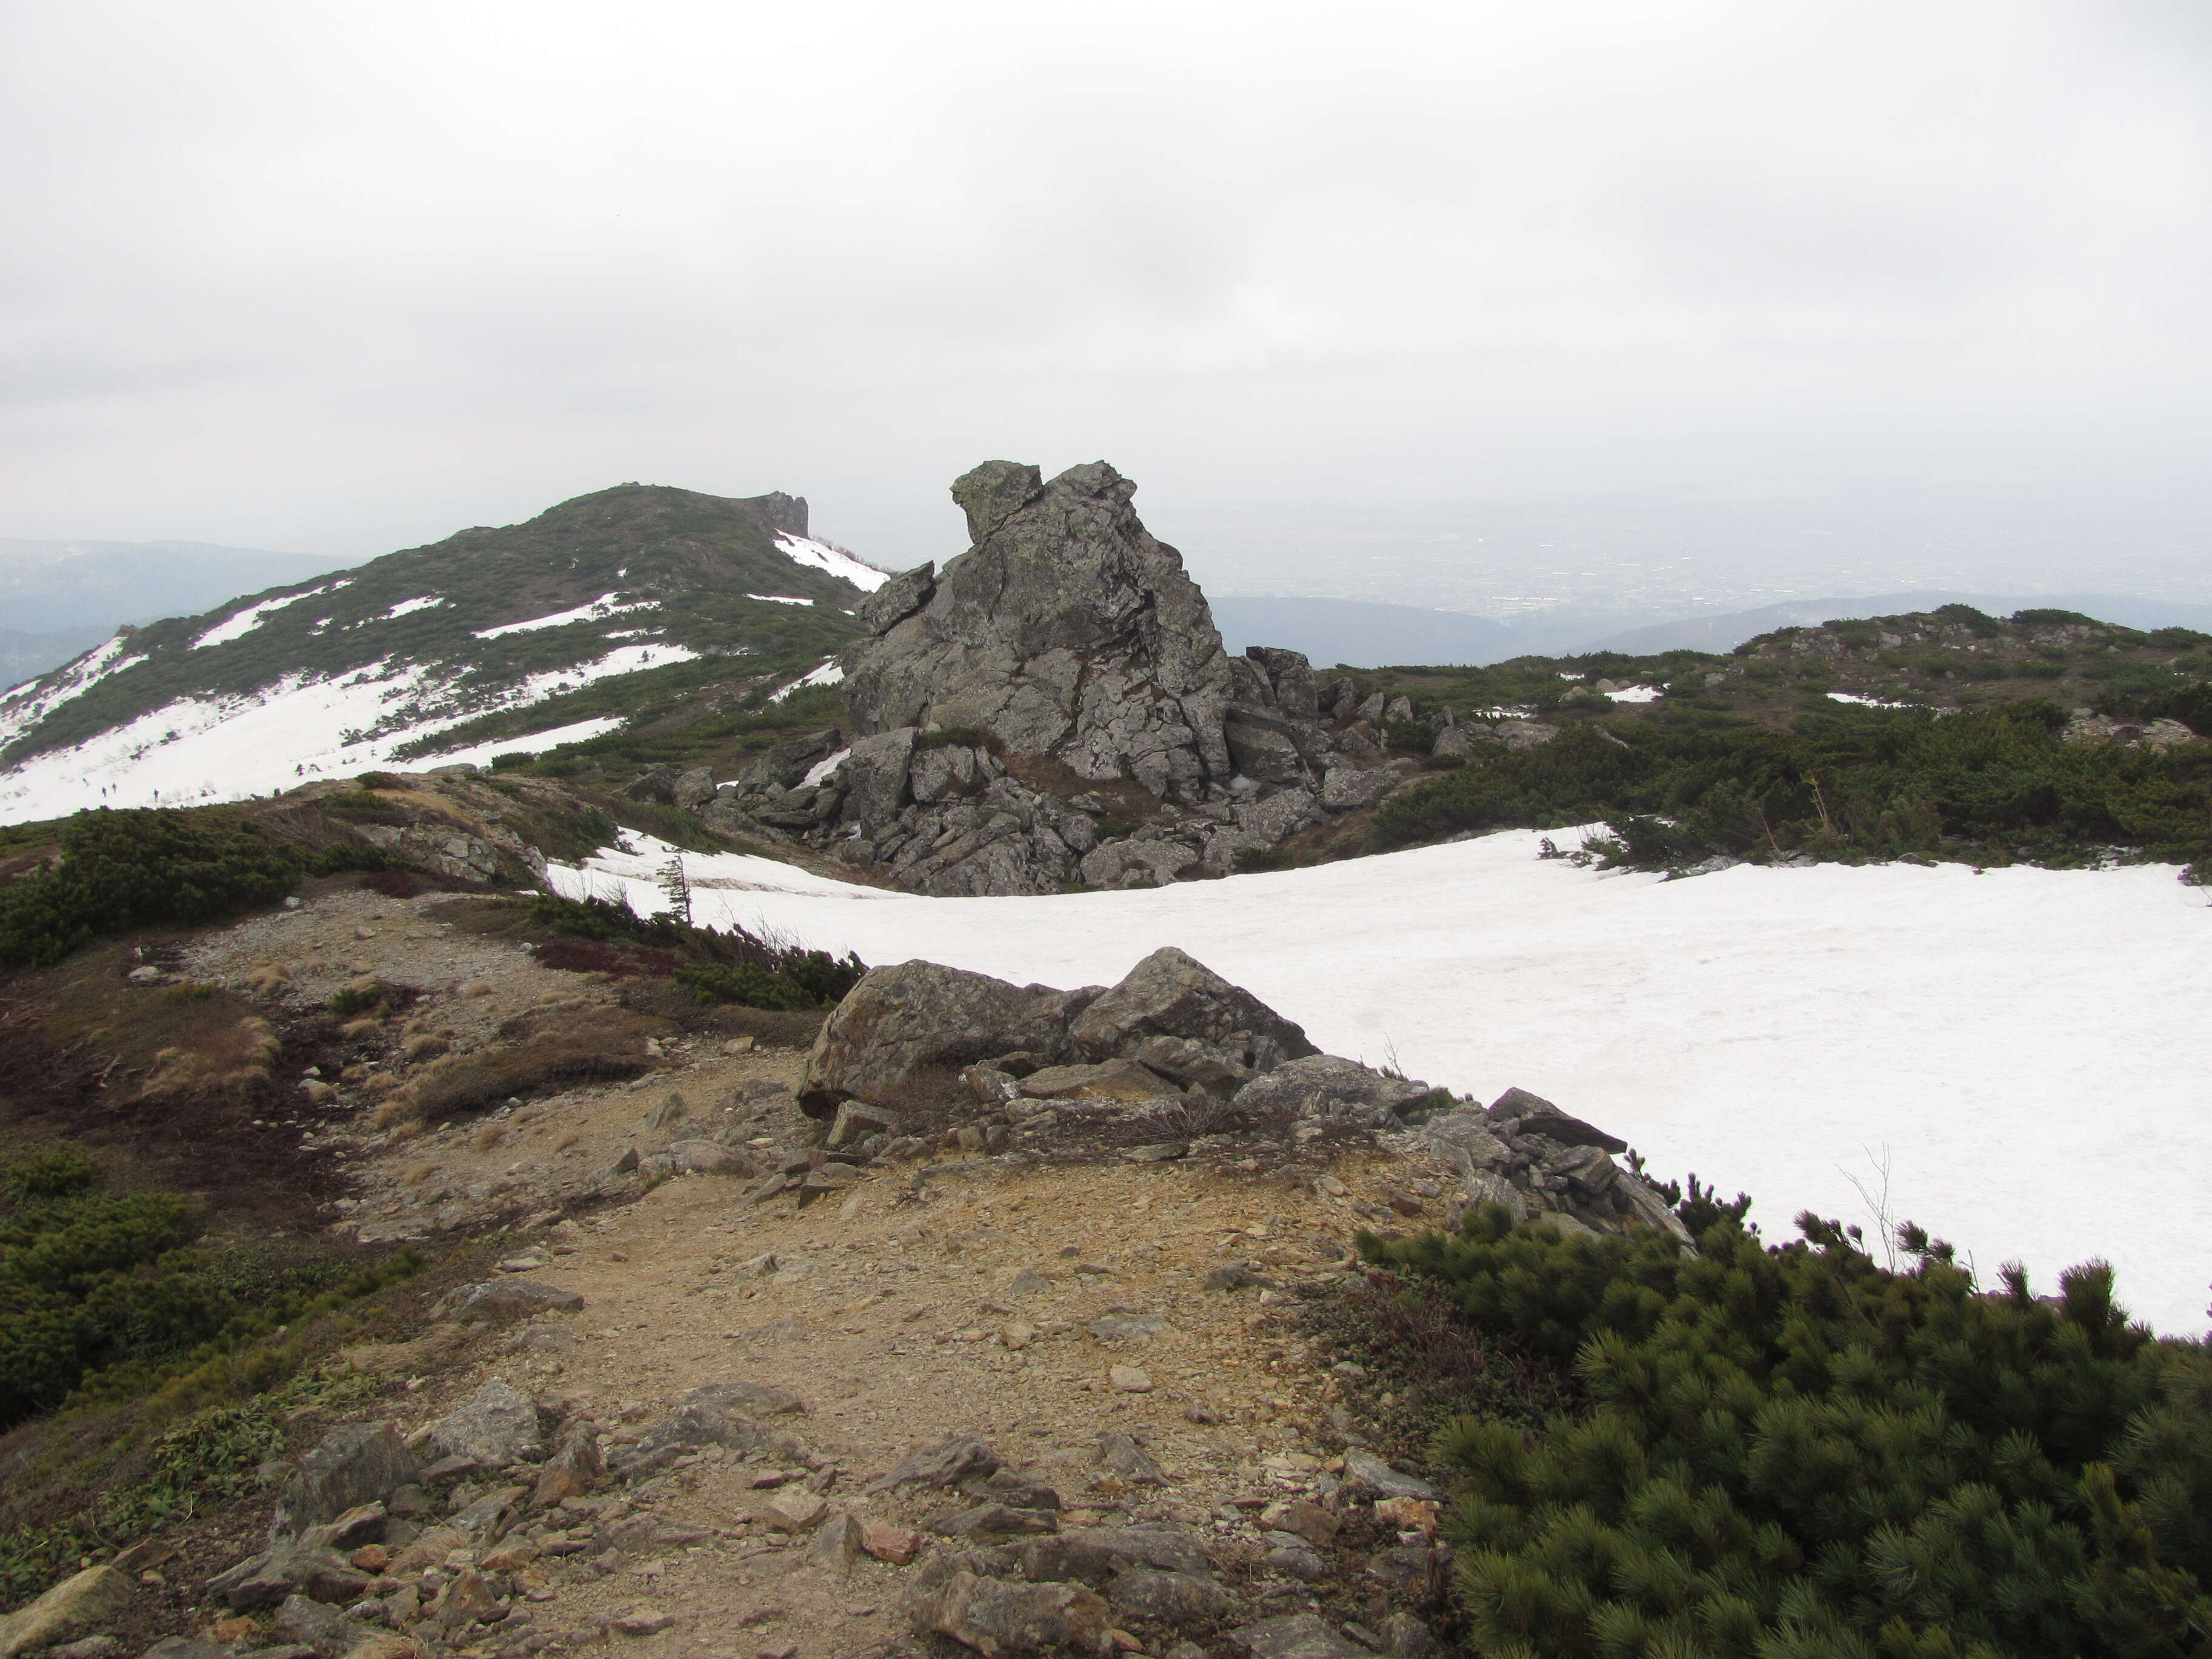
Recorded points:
(688,562)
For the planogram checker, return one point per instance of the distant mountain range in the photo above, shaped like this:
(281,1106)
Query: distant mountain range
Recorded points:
(1725,633)
(1358,634)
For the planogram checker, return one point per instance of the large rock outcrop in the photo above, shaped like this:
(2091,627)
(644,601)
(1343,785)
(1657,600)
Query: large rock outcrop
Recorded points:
(1066,631)
(1055,709)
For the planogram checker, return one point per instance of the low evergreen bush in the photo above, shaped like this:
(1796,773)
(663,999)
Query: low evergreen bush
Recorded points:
(1991,784)
(729,966)
(797,979)
(1794,1453)
(103,1292)
(150,867)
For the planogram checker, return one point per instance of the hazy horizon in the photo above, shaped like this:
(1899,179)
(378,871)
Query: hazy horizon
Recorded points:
(1706,306)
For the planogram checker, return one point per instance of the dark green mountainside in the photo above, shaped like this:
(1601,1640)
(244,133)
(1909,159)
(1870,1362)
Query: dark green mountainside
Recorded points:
(686,577)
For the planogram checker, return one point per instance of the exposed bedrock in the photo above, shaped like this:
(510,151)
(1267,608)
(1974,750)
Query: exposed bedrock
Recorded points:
(1175,1061)
(1055,709)
(1066,631)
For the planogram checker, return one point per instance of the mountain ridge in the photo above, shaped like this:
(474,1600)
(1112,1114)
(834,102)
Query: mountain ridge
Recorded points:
(635,580)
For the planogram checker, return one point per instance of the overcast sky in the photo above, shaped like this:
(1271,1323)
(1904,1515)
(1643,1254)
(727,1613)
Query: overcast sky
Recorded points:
(339,278)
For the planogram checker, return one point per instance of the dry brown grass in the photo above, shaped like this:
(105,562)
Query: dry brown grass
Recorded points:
(354,1031)
(231,1059)
(774,1028)
(590,1045)
(489,1136)
(425,1047)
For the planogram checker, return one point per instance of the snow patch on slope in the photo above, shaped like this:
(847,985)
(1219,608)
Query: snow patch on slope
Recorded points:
(1853,697)
(606,606)
(213,749)
(828,674)
(1776,1030)
(26,707)
(407,607)
(238,626)
(778,599)
(534,743)
(820,556)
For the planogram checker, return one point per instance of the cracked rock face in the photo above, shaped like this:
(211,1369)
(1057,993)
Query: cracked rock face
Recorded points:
(1066,631)
(996,700)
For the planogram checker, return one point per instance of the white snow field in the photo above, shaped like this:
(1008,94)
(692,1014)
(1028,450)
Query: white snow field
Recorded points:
(25,706)
(245,622)
(821,555)
(830,673)
(197,750)
(2027,1048)
(605,607)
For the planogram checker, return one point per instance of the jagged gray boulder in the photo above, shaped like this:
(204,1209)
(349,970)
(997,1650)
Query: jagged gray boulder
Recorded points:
(897,598)
(1328,1088)
(494,1427)
(784,765)
(1093,1555)
(900,1025)
(718,1415)
(80,1603)
(1065,630)
(319,1625)
(1523,1112)
(356,1464)
(1294,1636)
(1348,787)
(873,774)
(919,1025)
(1170,995)
(1152,860)
(945,1462)
(996,1619)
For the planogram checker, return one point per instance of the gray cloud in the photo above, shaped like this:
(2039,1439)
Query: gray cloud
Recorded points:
(344,278)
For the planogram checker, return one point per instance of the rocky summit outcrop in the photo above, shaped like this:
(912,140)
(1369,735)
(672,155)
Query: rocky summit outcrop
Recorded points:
(1066,631)
(1054,709)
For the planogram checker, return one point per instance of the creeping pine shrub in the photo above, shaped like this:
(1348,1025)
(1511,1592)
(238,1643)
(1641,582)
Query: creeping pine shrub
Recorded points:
(1850,784)
(1793,1453)
(97,1284)
(736,967)
(798,978)
(139,868)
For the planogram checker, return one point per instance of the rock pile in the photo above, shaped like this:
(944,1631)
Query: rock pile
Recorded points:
(439,1551)
(1173,1062)
(1053,709)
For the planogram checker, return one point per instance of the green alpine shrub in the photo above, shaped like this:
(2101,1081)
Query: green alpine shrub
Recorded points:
(1793,1453)
(149,867)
